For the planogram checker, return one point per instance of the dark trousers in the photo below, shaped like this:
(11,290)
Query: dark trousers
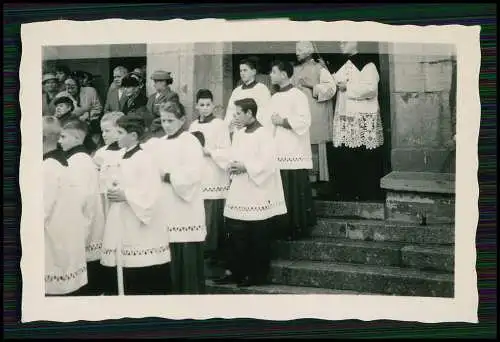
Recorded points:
(356,172)
(214,213)
(249,249)
(77,293)
(301,215)
(150,280)
(96,284)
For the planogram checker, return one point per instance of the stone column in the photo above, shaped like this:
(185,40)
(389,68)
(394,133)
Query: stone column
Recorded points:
(420,189)
(421,82)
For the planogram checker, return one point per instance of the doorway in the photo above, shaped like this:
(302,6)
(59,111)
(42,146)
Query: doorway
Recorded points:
(333,60)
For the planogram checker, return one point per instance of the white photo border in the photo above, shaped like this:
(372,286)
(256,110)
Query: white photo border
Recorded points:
(35,306)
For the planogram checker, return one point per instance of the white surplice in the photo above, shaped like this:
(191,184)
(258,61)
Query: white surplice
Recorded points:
(257,194)
(64,224)
(182,158)
(136,225)
(215,181)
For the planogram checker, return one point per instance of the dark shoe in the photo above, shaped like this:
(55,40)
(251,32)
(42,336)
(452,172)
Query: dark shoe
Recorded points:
(247,282)
(224,280)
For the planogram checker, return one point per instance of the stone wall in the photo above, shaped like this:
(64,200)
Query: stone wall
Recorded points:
(422,106)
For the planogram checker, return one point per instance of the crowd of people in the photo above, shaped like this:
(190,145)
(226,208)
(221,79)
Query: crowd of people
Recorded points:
(138,199)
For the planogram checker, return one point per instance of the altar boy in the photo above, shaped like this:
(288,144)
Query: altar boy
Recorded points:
(135,237)
(215,181)
(65,262)
(289,116)
(85,174)
(108,157)
(255,196)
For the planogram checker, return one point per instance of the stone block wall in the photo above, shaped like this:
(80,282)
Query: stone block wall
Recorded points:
(422,91)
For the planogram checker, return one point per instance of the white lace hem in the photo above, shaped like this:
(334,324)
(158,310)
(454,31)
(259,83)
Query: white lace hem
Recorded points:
(357,130)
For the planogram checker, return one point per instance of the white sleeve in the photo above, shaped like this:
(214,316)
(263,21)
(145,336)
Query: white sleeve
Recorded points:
(51,184)
(326,88)
(222,145)
(231,108)
(186,175)
(260,165)
(300,118)
(142,193)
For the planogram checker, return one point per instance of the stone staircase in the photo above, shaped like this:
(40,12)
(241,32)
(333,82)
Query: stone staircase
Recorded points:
(356,249)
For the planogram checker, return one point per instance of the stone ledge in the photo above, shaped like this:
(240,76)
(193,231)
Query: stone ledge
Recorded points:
(427,182)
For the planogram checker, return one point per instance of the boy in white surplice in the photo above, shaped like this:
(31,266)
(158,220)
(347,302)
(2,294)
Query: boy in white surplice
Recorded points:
(288,114)
(179,158)
(135,225)
(255,197)
(64,223)
(215,182)
(84,173)
(357,128)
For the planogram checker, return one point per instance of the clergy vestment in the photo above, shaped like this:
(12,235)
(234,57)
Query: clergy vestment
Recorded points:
(65,261)
(179,158)
(255,197)
(215,178)
(84,173)
(255,90)
(321,108)
(135,228)
(357,131)
(294,157)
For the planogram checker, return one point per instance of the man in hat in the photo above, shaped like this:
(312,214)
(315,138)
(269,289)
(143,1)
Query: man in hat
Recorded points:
(162,81)
(49,92)
(136,100)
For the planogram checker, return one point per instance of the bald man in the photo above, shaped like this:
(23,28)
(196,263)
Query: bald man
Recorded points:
(319,86)
(116,98)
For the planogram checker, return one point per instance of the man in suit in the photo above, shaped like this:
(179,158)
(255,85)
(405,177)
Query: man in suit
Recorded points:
(162,81)
(116,97)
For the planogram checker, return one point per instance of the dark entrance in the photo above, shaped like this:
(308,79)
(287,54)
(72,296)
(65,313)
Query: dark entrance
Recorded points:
(333,60)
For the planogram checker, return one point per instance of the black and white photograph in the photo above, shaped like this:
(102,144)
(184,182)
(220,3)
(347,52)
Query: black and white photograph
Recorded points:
(210,168)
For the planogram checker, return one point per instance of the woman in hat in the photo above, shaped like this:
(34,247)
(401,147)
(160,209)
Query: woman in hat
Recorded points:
(49,92)
(162,81)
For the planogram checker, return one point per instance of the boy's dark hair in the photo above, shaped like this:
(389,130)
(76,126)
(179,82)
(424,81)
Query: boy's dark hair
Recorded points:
(204,94)
(252,62)
(173,107)
(77,125)
(287,67)
(63,68)
(132,123)
(247,104)
(66,100)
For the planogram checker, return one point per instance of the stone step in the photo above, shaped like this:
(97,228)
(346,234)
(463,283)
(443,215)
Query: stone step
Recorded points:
(385,231)
(439,258)
(365,210)
(213,288)
(362,278)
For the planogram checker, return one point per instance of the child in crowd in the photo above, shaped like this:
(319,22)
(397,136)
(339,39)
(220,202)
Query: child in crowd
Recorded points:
(255,196)
(65,262)
(64,109)
(85,174)
(108,157)
(215,181)
(135,236)
(179,157)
